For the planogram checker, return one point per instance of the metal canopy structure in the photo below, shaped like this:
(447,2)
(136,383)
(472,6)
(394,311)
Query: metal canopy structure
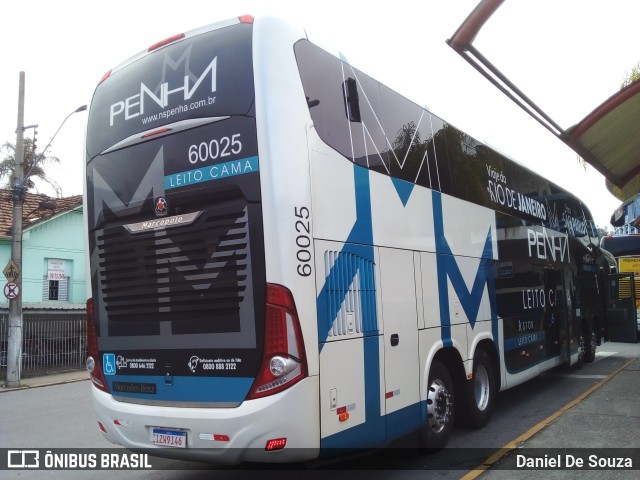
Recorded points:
(611,134)
(607,138)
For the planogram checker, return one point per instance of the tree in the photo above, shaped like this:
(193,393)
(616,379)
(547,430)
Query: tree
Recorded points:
(632,76)
(31,169)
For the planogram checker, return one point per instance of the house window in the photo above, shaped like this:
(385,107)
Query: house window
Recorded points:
(55,283)
(54,289)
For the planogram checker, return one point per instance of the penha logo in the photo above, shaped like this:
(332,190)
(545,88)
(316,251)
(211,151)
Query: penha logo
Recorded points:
(161,207)
(180,89)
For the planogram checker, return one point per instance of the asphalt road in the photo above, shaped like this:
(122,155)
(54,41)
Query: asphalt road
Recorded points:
(61,416)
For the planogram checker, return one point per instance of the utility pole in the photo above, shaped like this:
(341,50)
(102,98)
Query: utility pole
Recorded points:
(14,350)
(13,290)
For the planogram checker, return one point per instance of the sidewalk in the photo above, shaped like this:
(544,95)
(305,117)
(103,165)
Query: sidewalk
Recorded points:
(46,380)
(605,420)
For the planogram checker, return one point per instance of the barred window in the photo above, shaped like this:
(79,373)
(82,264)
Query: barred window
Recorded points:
(55,289)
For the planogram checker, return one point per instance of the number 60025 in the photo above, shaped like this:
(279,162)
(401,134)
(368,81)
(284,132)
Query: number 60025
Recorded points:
(303,241)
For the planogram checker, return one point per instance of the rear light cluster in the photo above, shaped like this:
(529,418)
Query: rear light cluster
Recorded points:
(155,133)
(275,444)
(283,359)
(104,77)
(94,365)
(166,41)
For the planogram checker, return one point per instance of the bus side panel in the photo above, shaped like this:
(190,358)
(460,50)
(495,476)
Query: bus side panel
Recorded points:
(401,222)
(399,316)
(351,402)
(467,251)
(461,273)
(531,295)
(332,185)
(351,349)
(470,230)
(429,292)
(281,120)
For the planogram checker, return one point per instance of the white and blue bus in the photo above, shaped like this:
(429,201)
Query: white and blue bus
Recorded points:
(289,259)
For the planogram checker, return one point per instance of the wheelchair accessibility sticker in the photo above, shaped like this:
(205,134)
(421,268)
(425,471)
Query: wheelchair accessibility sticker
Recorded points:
(109,363)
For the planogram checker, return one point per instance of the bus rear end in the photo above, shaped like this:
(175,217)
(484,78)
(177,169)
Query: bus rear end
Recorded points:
(190,349)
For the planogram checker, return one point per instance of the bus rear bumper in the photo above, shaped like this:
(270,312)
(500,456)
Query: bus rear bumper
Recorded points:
(221,435)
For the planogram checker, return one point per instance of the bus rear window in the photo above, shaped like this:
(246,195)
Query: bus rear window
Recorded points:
(203,76)
(621,245)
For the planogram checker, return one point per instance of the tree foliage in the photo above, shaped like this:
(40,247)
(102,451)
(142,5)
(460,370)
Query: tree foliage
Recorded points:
(631,76)
(32,164)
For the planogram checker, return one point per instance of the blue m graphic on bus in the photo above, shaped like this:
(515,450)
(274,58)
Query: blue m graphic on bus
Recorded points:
(447,266)
(355,258)
(448,270)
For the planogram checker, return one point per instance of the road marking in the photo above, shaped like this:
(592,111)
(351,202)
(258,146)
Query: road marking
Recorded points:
(517,442)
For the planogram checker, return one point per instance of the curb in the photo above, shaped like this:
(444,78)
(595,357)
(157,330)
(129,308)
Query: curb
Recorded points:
(37,382)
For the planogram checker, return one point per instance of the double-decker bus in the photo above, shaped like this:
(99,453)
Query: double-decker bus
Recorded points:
(626,218)
(624,245)
(289,259)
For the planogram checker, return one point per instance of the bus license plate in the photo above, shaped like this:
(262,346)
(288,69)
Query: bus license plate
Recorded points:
(169,438)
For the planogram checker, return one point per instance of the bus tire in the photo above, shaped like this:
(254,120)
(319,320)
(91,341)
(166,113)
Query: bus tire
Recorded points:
(440,407)
(582,349)
(480,392)
(591,343)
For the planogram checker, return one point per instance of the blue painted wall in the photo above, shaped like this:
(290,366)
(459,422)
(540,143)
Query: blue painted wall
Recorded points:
(61,237)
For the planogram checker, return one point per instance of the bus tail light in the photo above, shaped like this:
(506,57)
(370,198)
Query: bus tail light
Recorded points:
(284,361)
(94,365)
(104,77)
(275,444)
(166,41)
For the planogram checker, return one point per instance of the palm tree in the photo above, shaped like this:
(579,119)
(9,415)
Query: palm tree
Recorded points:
(33,166)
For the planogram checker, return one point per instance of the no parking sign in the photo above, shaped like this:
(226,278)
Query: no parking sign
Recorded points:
(11,291)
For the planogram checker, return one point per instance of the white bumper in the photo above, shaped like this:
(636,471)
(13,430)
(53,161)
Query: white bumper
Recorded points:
(245,430)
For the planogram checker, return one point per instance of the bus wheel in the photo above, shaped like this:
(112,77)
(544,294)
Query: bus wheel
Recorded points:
(582,349)
(591,343)
(480,392)
(440,407)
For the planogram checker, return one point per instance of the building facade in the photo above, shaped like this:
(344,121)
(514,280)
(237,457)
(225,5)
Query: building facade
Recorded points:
(53,250)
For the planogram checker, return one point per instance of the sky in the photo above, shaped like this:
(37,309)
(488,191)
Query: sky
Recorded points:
(568,56)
